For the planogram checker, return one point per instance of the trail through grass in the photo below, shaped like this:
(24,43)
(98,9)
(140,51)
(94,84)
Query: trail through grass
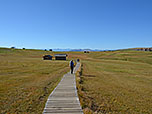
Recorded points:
(116,82)
(26,80)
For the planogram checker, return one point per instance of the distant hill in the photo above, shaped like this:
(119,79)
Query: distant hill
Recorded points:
(79,50)
(141,49)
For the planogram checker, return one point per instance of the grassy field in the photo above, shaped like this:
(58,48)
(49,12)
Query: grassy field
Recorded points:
(26,80)
(116,82)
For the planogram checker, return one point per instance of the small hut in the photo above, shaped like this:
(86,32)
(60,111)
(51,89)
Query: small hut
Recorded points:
(12,47)
(60,56)
(86,51)
(47,57)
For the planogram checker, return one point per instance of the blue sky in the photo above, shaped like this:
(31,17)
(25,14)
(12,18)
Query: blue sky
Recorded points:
(95,24)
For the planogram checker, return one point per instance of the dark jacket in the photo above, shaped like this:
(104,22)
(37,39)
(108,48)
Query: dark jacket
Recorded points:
(71,64)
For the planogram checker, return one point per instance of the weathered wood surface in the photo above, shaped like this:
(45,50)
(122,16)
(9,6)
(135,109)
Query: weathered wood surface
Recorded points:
(64,98)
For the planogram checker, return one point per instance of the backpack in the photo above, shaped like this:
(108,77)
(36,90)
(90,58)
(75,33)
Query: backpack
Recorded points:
(71,64)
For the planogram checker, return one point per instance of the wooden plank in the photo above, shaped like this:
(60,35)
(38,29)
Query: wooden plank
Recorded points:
(64,98)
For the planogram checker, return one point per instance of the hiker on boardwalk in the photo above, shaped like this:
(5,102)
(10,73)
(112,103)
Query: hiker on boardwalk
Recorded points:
(71,66)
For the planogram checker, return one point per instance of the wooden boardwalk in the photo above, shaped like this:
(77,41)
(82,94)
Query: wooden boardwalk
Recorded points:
(64,98)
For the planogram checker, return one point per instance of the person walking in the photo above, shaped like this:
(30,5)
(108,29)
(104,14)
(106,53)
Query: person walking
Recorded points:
(71,66)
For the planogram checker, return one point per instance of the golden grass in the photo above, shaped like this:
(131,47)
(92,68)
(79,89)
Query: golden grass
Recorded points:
(110,82)
(116,82)
(26,80)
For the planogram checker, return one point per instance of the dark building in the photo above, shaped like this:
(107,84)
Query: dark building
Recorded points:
(47,57)
(86,51)
(60,56)
(12,47)
(144,49)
